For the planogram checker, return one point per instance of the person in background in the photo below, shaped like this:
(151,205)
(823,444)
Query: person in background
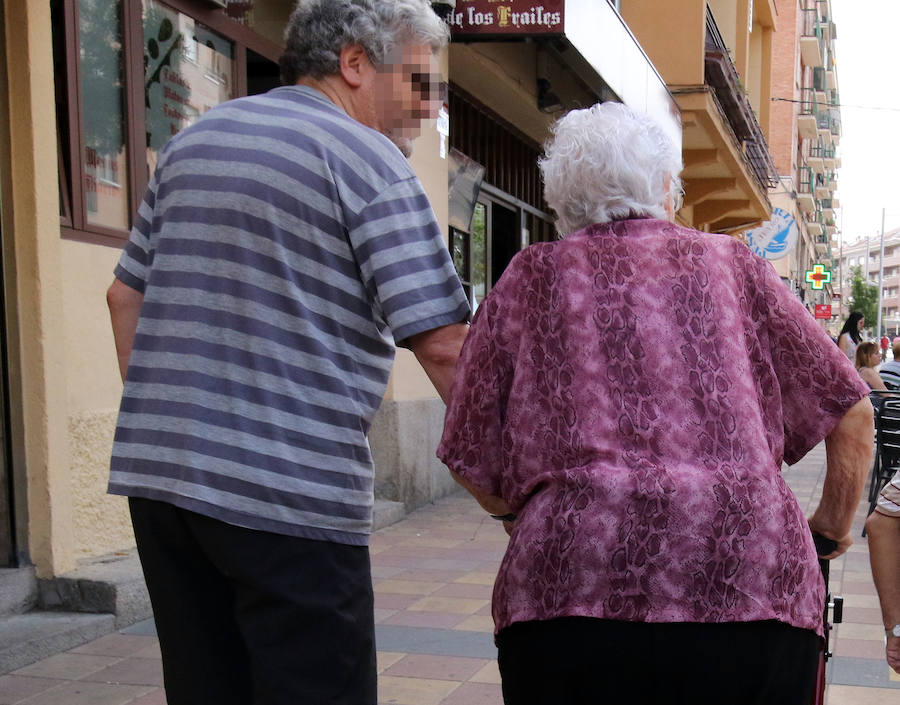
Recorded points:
(885,343)
(656,553)
(849,336)
(883,530)
(283,250)
(890,371)
(867,359)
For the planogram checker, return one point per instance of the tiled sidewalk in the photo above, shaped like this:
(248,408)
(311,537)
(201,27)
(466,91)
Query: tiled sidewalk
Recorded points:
(433,574)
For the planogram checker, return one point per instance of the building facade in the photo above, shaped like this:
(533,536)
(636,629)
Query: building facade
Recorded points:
(865,255)
(91,91)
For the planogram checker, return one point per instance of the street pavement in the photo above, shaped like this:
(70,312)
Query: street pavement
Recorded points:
(433,573)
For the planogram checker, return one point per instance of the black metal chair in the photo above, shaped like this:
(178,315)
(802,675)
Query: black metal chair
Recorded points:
(887,442)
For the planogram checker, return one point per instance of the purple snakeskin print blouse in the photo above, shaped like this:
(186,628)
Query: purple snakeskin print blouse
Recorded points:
(631,391)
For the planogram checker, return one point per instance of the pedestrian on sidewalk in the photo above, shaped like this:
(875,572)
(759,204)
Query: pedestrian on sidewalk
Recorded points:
(890,371)
(656,553)
(883,531)
(849,336)
(283,249)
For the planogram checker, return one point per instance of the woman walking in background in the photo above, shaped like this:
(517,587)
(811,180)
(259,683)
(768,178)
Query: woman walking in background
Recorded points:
(656,554)
(849,336)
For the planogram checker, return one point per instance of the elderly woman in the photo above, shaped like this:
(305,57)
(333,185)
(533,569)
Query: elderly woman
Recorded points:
(656,553)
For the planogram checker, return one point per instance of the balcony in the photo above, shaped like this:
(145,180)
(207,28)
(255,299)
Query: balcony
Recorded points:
(814,224)
(822,244)
(815,159)
(812,40)
(808,120)
(823,123)
(728,169)
(806,200)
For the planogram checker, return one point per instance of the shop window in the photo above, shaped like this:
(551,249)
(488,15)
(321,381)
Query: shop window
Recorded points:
(129,74)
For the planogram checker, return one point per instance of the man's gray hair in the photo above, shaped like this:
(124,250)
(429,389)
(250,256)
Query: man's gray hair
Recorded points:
(608,162)
(319,29)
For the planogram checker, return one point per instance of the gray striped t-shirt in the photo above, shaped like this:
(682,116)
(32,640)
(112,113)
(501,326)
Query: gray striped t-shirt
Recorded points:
(282,248)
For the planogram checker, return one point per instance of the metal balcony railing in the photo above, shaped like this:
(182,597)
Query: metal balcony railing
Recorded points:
(722,77)
(812,24)
(808,104)
(806,183)
(820,151)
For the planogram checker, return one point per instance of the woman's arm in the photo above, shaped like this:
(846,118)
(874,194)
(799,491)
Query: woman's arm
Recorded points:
(844,343)
(872,378)
(849,456)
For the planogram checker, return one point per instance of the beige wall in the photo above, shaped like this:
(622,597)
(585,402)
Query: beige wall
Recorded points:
(37,291)
(100,521)
(672,33)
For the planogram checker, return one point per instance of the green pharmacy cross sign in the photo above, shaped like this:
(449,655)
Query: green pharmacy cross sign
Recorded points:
(818,276)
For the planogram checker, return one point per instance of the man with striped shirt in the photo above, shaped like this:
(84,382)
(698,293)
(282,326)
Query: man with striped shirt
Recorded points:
(283,248)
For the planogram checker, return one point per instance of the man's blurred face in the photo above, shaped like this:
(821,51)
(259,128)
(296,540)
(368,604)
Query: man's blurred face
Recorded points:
(408,89)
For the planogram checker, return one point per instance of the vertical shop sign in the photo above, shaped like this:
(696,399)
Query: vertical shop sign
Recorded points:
(502,17)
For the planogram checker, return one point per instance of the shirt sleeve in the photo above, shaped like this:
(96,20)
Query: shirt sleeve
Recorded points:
(472,442)
(818,383)
(404,262)
(889,498)
(133,267)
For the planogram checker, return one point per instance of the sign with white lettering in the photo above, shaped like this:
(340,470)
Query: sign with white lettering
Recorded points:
(499,17)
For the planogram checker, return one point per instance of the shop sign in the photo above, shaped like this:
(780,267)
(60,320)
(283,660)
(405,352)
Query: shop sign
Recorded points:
(776,237)
(818,276)
(823,311)
(501,17)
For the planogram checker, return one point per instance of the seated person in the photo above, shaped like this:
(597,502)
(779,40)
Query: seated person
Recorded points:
(890,372)
(867,358)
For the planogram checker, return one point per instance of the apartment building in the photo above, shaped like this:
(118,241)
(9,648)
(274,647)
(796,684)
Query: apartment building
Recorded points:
(866,254)
(716,58)
(804,131)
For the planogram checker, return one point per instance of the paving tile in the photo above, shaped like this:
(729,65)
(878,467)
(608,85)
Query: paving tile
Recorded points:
(157,697)
(859,648)
(14,689)
(449,668)
(433,620)
(863,615)
(406,587)
(386,659)
(866,601)
(477,623)
(472,590)
(130,671)
(67,666)
(390,601)
(478,578)
(432,542)
(150,651)
(382,614)
(413,691)
(385,571)
(437,576)
(868,632)
(120,645)
(490,673)
(88,693)
(451,605)
(475,694)
(850,695)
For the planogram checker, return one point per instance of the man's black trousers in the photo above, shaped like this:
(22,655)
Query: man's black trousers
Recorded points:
(247,617)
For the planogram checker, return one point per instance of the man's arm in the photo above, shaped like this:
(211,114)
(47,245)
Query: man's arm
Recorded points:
(849,456)
(124,308)
(884,554)
(437,350)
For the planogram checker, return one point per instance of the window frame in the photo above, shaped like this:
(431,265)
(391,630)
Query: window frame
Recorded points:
(73,218)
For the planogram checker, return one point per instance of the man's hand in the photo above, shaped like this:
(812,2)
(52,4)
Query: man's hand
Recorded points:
(892,651)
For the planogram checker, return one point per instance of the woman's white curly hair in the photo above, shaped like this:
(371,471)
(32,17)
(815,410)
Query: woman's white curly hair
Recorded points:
(608,162)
